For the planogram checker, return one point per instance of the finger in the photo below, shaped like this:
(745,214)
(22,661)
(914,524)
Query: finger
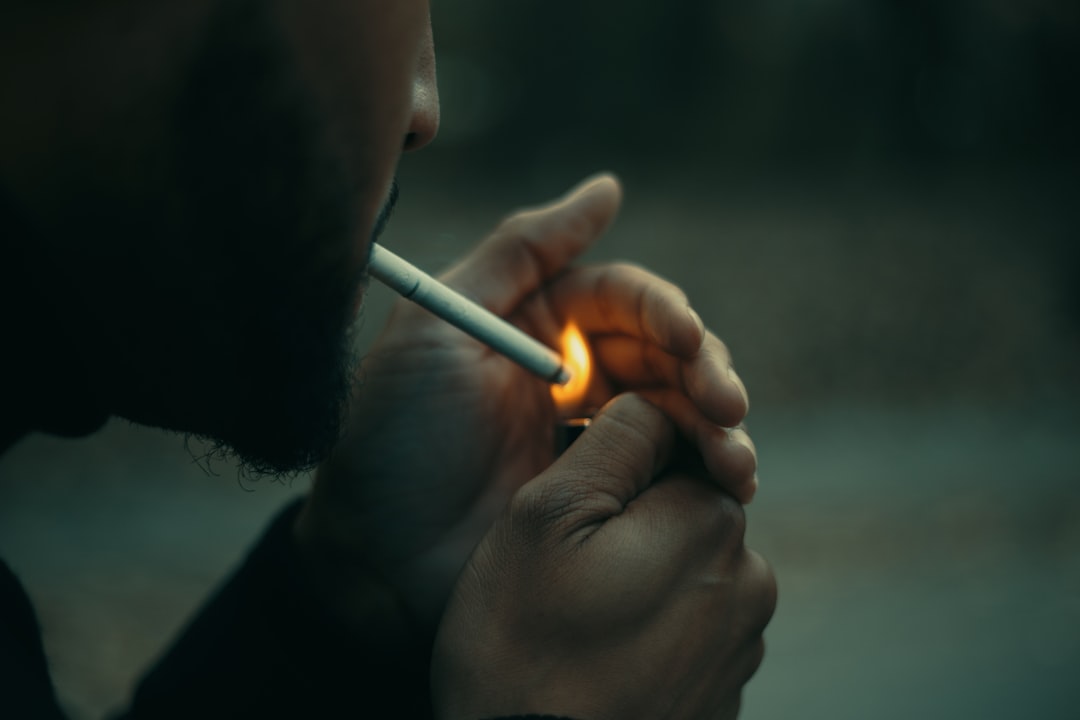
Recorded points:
(707,377)
(760,592)
(620,298)
(729,454)
(626,445)
(532,246)
(685,512)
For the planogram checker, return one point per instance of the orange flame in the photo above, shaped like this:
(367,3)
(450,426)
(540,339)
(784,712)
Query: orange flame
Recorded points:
(571,396)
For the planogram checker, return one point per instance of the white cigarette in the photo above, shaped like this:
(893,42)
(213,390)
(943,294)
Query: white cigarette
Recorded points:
(453,307)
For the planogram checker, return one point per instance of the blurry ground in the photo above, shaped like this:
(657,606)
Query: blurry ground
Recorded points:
(913,366)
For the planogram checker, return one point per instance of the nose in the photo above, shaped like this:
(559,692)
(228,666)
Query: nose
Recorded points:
(424,124)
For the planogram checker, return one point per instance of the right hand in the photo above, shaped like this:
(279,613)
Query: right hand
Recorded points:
(611,587)
(443,431)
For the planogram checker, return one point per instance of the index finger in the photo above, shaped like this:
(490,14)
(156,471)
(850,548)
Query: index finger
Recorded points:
(624,299)
(707,378)
(532,246)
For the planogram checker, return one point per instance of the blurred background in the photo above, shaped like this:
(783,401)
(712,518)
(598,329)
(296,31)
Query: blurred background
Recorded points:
(874,202)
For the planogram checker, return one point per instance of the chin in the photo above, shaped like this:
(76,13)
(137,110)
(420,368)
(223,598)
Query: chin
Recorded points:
(289,411)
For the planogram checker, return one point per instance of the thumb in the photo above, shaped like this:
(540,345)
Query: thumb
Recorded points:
(532,246)
(617,458)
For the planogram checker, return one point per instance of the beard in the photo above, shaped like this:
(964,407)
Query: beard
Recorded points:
(259,193)
(208,241)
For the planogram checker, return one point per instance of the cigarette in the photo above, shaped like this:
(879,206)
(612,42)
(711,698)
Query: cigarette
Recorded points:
(414,284)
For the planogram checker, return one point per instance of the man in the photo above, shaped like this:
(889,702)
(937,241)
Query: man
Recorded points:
(190,192)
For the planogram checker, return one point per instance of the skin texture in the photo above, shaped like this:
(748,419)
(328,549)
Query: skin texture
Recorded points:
(191,188)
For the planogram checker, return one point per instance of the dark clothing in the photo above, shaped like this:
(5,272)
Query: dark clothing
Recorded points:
(260,648)
(25,688)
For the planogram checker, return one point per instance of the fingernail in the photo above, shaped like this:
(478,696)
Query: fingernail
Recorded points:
(738,383)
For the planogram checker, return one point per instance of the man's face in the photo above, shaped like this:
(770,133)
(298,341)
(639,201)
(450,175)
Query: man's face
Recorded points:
(206,175)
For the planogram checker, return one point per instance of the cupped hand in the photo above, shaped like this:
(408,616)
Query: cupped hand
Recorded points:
(443,431)
(610,588)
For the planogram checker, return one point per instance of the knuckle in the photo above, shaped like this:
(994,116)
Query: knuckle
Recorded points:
(658,288)
(715,520)
(755,656)
(655,361)
(540,507)
(732,518)
(633,411)
(617,277)
(730,524)
(527,258)
(519,223)
(528,507)
(634,425)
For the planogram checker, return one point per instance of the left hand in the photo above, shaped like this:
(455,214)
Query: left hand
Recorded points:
(443,430)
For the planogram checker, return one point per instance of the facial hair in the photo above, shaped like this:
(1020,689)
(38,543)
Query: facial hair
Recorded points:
(272,208)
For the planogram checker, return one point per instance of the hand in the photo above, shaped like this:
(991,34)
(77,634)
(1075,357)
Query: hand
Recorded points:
(443,431)
(609,588)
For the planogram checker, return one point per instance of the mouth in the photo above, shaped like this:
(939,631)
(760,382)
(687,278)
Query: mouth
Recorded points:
(381,220)
(385,211)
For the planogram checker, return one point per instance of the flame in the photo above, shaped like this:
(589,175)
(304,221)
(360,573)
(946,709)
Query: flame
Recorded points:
(575,352)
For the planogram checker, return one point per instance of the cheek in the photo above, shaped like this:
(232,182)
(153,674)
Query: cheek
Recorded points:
(359,59)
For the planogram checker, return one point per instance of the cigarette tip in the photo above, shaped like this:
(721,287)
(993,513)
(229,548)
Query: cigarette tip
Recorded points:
(562,376)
